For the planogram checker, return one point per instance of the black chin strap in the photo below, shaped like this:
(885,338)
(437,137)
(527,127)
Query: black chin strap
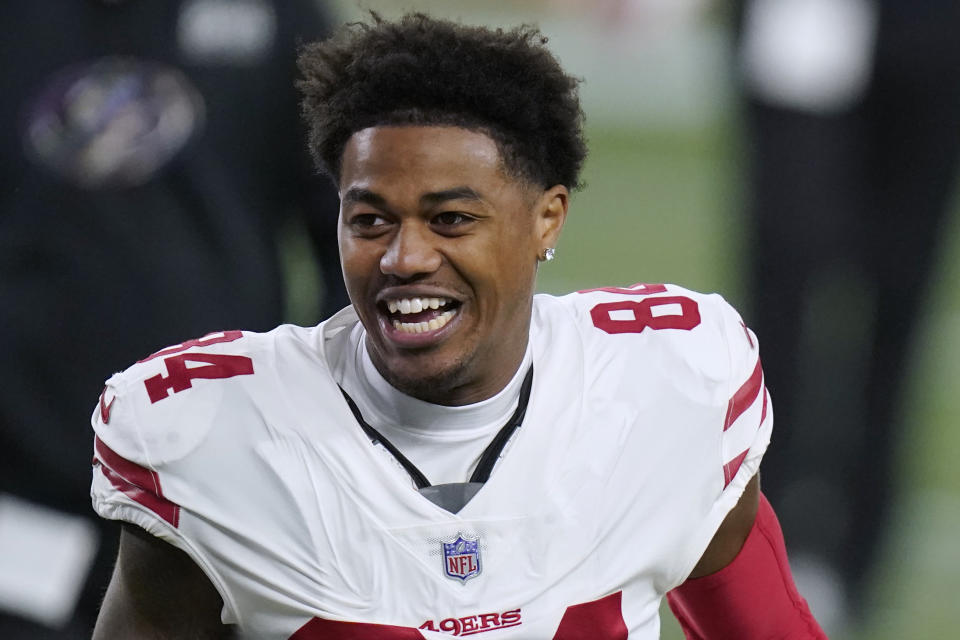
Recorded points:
(453,496)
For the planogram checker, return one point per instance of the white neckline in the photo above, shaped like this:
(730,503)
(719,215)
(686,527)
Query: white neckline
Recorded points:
(382,405)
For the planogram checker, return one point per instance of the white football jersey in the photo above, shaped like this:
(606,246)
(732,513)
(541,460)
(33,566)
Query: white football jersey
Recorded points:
(648,415)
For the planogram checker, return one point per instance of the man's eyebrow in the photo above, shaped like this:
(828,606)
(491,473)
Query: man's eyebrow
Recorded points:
(456,193)
(357,194)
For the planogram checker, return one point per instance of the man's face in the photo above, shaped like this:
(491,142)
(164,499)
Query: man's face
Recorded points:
(439,249)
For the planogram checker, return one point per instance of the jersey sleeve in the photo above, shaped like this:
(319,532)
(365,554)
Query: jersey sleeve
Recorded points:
(743,435)
(146,437)
(127,483)
(689,368)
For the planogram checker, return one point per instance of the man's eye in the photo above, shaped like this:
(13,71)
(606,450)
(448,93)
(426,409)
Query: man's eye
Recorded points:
(367,220)
(451,218)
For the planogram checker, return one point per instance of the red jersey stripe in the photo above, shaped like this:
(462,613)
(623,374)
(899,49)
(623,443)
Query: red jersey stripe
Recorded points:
(745,396)
(763,413)
(730,469)
(600,619)
(105,407)
(138,483)
(340,630)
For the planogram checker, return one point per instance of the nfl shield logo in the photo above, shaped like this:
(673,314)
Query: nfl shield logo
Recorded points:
(461,558)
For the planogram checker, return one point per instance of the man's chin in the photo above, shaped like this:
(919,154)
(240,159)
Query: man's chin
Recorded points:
(425,378)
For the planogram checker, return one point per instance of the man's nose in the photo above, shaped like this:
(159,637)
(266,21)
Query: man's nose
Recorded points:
(412,252)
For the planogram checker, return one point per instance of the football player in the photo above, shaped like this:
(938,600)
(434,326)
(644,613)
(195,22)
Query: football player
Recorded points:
(450,455)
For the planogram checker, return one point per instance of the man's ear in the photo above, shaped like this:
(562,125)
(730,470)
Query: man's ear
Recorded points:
(551,211)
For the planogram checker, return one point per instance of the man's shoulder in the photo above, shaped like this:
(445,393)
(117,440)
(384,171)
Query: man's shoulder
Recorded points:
(220,355)
(647,315)
(158,409)
(654,332)
(644,300)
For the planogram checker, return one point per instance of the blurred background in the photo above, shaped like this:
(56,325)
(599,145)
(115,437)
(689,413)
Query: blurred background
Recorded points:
(797,156)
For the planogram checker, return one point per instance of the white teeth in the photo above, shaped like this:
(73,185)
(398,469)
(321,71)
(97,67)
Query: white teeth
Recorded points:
(421,327)
(415,305)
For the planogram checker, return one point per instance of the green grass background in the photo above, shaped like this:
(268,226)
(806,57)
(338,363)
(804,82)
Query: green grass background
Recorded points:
(664,205)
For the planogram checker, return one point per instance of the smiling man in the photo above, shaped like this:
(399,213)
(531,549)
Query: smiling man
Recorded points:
(451,454)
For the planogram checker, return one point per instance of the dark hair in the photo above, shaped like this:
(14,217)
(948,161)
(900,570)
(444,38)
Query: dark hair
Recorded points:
(422,70)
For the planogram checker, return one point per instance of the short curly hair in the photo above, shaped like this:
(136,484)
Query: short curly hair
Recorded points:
(419,70)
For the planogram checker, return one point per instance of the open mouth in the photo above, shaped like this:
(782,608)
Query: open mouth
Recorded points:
(419,315)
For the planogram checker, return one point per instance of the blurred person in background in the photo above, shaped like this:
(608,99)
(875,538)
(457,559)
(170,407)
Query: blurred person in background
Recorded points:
(150,153)
(853,130)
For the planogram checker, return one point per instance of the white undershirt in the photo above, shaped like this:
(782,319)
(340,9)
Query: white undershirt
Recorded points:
(445,443)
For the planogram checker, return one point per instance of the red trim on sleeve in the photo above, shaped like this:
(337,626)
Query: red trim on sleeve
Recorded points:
(746,332)
(105,407)
(745,396)
(763,413)
(138,483)
(730,469)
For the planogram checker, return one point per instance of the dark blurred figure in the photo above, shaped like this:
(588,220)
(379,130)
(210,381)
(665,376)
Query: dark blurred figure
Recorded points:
(853,126)
(150,153)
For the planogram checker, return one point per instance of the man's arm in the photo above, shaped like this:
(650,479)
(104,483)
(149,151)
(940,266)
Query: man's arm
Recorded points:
(733,532)
(742,587)
(157,592)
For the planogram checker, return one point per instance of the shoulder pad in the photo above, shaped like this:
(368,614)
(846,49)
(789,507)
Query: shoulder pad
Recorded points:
(699,339)
(691,326)
(161,408)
